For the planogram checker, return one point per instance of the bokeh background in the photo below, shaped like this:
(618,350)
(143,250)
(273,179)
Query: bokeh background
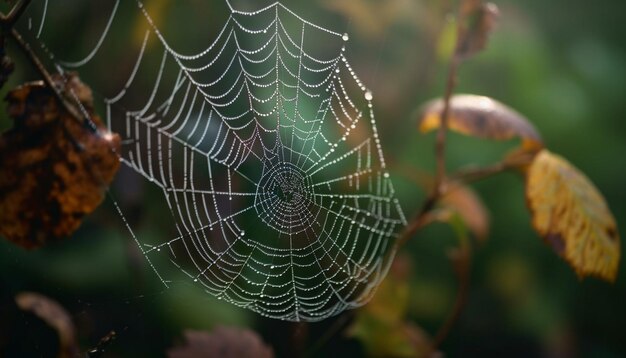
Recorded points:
(562,63)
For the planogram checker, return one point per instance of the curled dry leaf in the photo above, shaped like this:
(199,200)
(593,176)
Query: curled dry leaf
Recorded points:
(479,21)
(223,342)
(468,205)
(55,316)
(572,216)
(481,117)
(53,168)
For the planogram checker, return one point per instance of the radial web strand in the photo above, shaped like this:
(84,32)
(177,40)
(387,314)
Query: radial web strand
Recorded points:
(265,148)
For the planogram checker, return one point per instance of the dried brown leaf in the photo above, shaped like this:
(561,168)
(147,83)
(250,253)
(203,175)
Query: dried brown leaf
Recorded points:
(572,216)
(479,21)
(482,117)
(222,342)
(53,169)
(468,205)
(55,316)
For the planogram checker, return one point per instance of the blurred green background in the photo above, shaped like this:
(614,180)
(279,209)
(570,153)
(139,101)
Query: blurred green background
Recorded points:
(562,63)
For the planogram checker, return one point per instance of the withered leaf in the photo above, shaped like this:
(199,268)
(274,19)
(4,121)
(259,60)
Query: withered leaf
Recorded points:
(479,20)
(55,316)
(468,205)
(53,168)
(222,342)
(572,216)
(482,117)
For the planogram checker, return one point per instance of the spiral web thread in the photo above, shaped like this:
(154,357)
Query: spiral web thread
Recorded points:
(269,160)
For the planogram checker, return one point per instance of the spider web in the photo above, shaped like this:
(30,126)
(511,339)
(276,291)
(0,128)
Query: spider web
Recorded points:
(267,154)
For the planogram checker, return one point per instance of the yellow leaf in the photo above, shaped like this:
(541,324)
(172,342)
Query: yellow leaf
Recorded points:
(572,216)
(482,117)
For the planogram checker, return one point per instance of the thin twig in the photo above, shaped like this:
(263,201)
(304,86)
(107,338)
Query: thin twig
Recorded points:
(100,349)
(438,189)
(47,78)
(336,327)
(440,145)
(463,273)
(7,22)
(16,12)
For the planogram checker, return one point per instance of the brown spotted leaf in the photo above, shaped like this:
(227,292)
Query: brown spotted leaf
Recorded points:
(481,117)
(55,316)
(222,342)
(53,168)
(572,216)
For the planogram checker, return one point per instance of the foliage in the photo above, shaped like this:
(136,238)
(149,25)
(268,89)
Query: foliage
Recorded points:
(54,171)
(566,209)
(572,216)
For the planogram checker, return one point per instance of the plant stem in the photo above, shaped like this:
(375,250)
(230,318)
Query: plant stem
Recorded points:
(45,75)
(337,326)
(440,144)
(463,273)
(7,22)
(16,12)
(440,155)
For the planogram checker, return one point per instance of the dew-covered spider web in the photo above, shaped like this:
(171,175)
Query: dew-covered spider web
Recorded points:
(265,148)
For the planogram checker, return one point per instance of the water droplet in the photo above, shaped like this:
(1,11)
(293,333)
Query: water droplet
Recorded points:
(345,37)
(337,71)
(368,95)
(386,175)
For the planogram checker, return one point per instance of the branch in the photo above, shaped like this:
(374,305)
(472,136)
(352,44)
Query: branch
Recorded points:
(7,22)
(440,145)
(462,258)
(440,152)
